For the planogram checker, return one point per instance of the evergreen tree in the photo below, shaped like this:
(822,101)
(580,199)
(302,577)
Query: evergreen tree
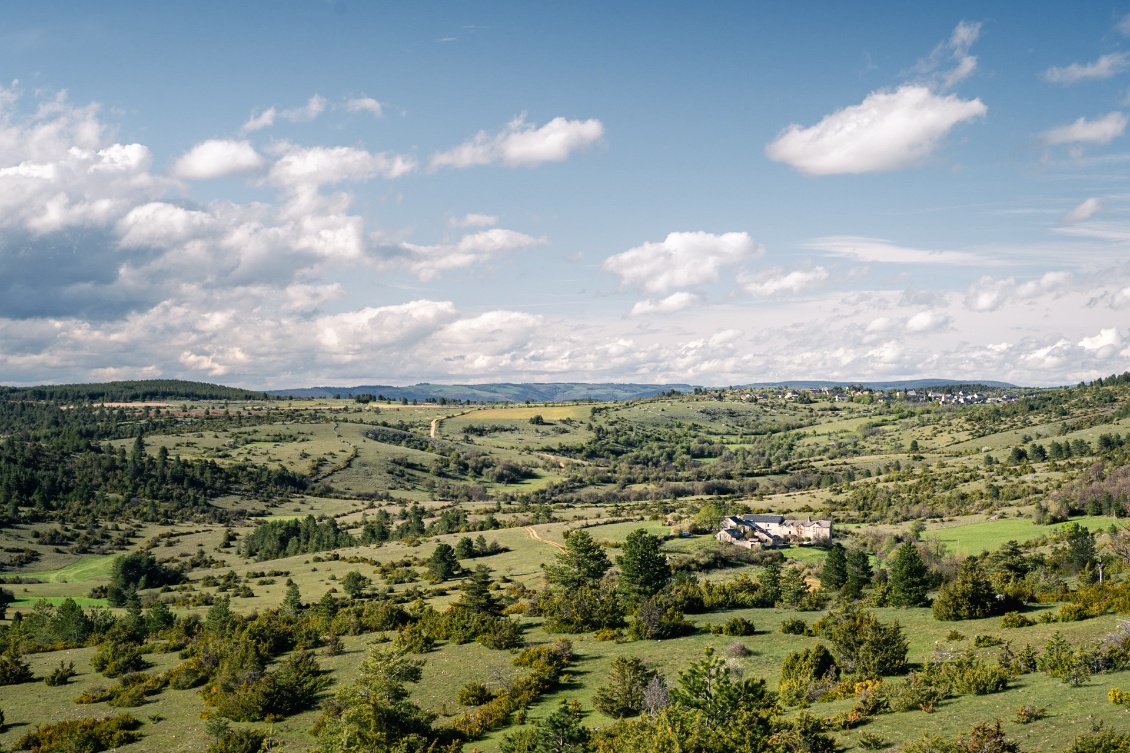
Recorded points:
(477,595)
(583,562)
(858,573)
(969,596)
(443,563)
(909,577)
(465,548)
(375,713)
(292,602)
(624,693)
(643,568)
(834,574)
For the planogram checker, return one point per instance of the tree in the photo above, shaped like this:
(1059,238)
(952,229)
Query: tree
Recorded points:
(834,574)
(626,688)
(443,563)
(291,607)
(477,595)
(805,671)
(858,572)
(375,711)
(582,563)
(643,568)
(465,548)
(1080,549)
(862,645)
(969,596)
(908,577)
(354,583)
(709,687)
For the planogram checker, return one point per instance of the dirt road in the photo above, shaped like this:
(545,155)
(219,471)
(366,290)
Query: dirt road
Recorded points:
(536,537)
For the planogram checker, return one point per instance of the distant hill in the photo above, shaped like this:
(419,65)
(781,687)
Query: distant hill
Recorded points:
(553,392)
(130,391)
(904,384)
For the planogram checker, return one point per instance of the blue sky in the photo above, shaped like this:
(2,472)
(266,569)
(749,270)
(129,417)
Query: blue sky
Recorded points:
(288,193)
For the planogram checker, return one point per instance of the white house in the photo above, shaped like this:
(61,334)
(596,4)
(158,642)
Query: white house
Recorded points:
(769,531)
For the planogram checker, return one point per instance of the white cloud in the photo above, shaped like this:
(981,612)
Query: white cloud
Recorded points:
(310,167)
(889,130)
(1106,66)
(217,158)
(365,104)
(681,259)
(352,333)
(776,281)
(989,294)
(1105,344)
(162,225)
(1085,211)
(314,107)
(926,320)
(1099,131)
(523,144)
(429,262)
(482,339)
(877,250)
(473,220)
(955,49)
(669,305)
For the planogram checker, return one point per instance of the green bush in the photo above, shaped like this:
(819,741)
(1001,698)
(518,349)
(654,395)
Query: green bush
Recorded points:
(864,646)
(738,626)
(473,694)
(115,658)
(794,626)
(13,668)
(969,596)
(241,740)
(88,735)
(1016,620)
(61,675)
(986,641)
(1029,714)
(806,674)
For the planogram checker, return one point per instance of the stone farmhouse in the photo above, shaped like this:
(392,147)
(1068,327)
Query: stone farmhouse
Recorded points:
(772,531)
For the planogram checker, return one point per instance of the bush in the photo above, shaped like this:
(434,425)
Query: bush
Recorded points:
(87,735)
(738,626)
(872,741)
(241,740)
(1016,620)
(473,694)
(1029,714)
(1101,741)
(864,646)
(806,674)
(115,658)
(61,675)
(13,668)
(624,693)
(794,626)
(986,641)
(969,596)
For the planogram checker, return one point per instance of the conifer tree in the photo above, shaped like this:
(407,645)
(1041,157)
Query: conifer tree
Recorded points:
(834,574)
(583,562)
(909,577)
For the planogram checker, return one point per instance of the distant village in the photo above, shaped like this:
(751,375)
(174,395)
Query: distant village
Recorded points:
(773,531)
(866,395)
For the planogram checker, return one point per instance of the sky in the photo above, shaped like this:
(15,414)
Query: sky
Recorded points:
(285,193)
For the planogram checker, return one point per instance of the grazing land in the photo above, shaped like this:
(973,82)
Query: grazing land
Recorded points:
(228,567)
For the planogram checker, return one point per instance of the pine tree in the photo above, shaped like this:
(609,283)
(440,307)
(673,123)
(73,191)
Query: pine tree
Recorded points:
(583,562)
(643,568)
(292,602)
(834,574)
(443,563)
(858,573)
(909,577)
(477,595)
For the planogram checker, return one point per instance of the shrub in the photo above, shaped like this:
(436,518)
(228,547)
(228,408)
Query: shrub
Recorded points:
(983,738)
(1029,714)
(61,675)
(794,626)
(863,645)
(986,641)
(915,693)
(241,740)
(1101,741)
(955,635)
(805,674)
(737,650)
(115,658)
(1016,620)
(872,741)
(738,626)
(88,735)
(473,694)
(13,668)
(624,693)
(969,596)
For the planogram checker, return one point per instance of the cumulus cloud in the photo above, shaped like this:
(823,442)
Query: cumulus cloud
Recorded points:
(777,281)
(889,130)
(352,333)
(1098,131)
(217,158)
(1106,66)
(365,104)
(428,262)
(925,321)
(1085,211)
(989,294)
(877,250)
(681,259)
(523,144)
(314,107)
(669,305)
(1105,344)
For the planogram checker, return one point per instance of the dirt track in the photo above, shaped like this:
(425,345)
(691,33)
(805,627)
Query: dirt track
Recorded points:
(536,537)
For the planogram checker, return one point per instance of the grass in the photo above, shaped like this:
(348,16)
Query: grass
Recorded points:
(88,568)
